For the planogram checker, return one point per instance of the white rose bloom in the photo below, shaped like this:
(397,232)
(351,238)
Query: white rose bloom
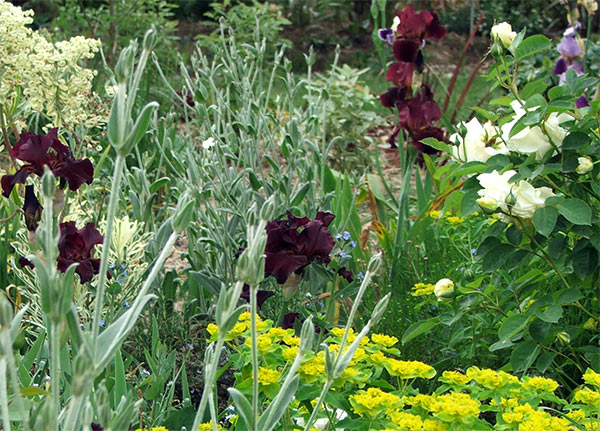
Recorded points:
(504,33)
(528,199)
(479,143)
(496,187)
(443,289)
(532,139)
(585,165)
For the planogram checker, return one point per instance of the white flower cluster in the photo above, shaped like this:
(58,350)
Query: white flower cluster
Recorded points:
(518,199)
(49,74)
(484,141)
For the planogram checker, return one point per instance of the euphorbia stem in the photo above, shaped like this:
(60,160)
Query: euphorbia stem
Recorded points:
(253,308)
(110,216)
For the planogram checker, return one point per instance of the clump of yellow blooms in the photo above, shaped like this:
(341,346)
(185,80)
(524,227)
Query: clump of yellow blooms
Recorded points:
(455,378)
(592,378)
(407,421)
(384,340)
(48,76)
(207,426)
(268,376)
(374,401)
(155,429)
(588,396)
(539,384)
(422,289)
(491,379)
(409,369)
(457,406)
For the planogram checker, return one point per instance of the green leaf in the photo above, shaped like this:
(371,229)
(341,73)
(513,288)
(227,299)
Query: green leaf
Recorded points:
(569,296)
(514,235)
(540,331)
(419,328)
(31,391)
(120,388)
(438,145)
(297,199)
(576,211)
(531,46)
(585,261)
(242,406)
(278,407)
(552,314)
(544,220)
(575,140)
(511,326)
(523,356)
(534,87)
(544,361)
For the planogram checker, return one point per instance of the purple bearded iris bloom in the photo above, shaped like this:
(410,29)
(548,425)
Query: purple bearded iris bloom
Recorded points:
(386,34)
(582,102)
(75,246)
(261,295)
(571,55)
(294,243)
(35,151)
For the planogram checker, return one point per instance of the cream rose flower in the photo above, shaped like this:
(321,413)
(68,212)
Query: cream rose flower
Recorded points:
(504,33)
(585,165)
(443,289)
(533,140)
(479,143)
(496,187)
(528,199)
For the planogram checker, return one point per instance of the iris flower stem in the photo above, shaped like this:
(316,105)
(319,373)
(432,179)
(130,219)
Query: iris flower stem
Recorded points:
(4,396)
(340,352)
(211,367)
(110,217)
(253,310)
(6,344)
(55,370)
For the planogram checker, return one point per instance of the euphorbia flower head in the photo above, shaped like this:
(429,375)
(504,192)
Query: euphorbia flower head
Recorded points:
(35,150)
(75,246)
(294,243)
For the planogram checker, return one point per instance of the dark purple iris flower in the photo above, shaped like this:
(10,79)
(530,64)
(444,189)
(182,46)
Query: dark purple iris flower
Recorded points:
(294,243)
(75,246)
(261,295)
(345,273)
(32,209)
(289,320)
(420,25)
(386,34)
(35,151)
(582,102)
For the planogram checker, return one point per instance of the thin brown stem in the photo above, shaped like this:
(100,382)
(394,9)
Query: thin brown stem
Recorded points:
(459,62)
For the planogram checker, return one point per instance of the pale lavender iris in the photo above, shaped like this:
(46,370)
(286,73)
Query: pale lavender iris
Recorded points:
(569,47)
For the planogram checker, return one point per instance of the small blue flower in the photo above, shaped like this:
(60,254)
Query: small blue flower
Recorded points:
(125,274)
(346,236)
(119,282)
(474,251)
(353,244)
(433,308)
(126,304)
(122,266)
(342,254)
(146,373)
(111,266)
(190,346)
(361,276)
(454,354)
(338,236)
(102,323)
